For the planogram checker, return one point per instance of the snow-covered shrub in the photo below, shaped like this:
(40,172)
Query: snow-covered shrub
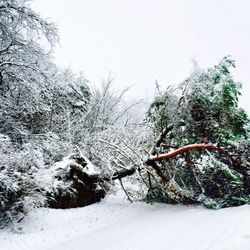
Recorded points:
(19,191)
(222,185)
(22,173)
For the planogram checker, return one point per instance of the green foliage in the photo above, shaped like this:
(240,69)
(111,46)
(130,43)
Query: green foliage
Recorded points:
(208,102)
(222,184)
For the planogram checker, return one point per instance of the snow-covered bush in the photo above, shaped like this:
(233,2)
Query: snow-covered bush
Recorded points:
(22,173)
(19,191)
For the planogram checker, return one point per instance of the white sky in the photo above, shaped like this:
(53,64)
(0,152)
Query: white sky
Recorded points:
(139,41)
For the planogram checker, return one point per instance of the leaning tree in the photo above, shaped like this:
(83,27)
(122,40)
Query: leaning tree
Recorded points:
(207,136)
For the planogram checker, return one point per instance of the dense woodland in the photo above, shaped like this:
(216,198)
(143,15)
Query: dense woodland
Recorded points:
(65,143)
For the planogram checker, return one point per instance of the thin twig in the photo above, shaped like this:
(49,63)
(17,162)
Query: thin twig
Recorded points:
(125,191)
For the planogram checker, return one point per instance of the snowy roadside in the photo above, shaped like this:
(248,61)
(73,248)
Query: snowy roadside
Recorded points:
(116,224)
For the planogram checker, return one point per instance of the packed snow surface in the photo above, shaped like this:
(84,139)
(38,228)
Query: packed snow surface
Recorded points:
(115,224)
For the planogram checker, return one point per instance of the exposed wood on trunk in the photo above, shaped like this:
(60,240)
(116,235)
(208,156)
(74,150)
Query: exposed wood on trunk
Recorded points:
(186,149)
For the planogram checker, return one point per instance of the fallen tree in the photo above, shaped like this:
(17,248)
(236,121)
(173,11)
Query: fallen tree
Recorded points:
(209,155)
(201,150)
(86,188)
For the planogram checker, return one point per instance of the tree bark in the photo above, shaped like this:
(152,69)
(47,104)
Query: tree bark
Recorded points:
(188,148)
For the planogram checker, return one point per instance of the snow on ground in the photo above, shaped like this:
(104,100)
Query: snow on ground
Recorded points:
(115,224)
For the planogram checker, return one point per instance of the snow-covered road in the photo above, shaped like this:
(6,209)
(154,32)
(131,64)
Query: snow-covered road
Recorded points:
(115,224)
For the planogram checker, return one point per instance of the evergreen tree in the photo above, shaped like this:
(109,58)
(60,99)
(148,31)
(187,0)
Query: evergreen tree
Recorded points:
(204,110)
